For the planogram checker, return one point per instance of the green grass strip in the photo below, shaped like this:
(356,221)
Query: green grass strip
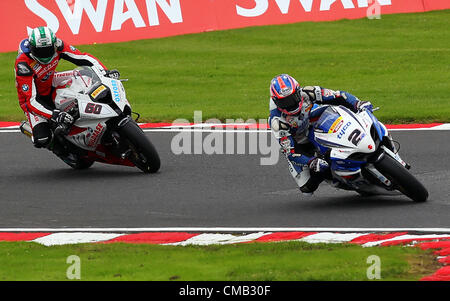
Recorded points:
(246,262)
(401,63)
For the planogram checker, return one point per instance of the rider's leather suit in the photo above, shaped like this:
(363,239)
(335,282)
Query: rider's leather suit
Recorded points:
(295,134)
(34,85)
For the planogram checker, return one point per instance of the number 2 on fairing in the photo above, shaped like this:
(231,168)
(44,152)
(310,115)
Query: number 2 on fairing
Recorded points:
(354,137)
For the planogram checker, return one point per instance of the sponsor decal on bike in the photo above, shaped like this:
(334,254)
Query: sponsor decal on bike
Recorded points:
(342,132)
(115,91)
(25,88)
(98,91)
(95,135)
(70,106)
(336,125)
(64,74)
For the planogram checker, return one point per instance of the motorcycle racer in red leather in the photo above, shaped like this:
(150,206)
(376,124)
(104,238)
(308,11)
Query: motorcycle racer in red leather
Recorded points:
(35,69)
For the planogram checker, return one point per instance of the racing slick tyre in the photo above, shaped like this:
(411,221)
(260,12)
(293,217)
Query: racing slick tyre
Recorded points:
(144,156)
(402,179)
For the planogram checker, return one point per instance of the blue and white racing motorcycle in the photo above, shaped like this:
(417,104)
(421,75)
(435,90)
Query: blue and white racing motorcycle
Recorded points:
(362,155)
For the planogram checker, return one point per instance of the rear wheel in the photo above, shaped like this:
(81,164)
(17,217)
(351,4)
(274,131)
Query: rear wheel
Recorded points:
(402,179)
(144,154)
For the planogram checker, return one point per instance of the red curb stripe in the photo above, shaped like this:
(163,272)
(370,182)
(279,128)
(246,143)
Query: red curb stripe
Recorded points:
(435,245)
(153,238)
(443,274)
(412,126)
(443,252)
(281,236)
(4,124)
(6,236)
(405,241)
(374,237)
(445,260)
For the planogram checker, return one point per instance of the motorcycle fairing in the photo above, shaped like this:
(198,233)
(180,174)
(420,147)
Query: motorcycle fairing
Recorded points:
(83,89)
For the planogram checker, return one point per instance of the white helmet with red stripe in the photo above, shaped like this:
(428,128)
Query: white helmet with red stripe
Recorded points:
(286,94)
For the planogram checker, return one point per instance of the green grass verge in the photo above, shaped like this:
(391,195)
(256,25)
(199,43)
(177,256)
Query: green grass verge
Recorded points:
(253,261)
(400,63)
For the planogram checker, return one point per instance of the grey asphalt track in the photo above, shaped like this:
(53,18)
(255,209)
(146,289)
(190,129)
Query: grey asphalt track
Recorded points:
(37,190)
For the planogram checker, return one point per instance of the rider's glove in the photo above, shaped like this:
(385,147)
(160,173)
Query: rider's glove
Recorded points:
(310,92)
(318,165)
(278,125)
(62,117)
(364,105)
(114,74)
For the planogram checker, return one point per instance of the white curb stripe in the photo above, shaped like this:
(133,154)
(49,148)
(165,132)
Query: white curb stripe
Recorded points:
(445,126)
(204,239)
(328,237)
(211,239)
(403,237)
(246,238)
(63,238)
(74,238)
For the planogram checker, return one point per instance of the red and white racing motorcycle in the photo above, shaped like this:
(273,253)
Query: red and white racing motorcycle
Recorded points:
(103,130)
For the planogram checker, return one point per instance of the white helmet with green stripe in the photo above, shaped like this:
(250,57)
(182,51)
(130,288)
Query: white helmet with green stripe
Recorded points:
(42,44)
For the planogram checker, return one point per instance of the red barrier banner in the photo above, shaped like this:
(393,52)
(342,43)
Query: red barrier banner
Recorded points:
(103,21)
(264,12)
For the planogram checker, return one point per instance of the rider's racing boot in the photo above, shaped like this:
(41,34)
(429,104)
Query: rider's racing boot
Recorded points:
(61,152)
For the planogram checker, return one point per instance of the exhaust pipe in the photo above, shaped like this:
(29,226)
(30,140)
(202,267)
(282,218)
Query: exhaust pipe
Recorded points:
(25,128)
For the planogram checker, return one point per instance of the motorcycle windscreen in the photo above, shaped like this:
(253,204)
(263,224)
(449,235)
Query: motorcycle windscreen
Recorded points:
(85,78)
(329,121)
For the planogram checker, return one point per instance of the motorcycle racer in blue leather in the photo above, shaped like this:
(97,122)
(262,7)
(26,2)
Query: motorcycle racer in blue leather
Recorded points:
(293,112)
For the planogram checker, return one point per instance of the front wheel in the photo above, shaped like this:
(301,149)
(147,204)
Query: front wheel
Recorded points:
(402,179)
(144,154)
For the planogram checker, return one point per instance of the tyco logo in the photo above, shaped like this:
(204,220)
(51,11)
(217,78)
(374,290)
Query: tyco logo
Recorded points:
(342,132)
